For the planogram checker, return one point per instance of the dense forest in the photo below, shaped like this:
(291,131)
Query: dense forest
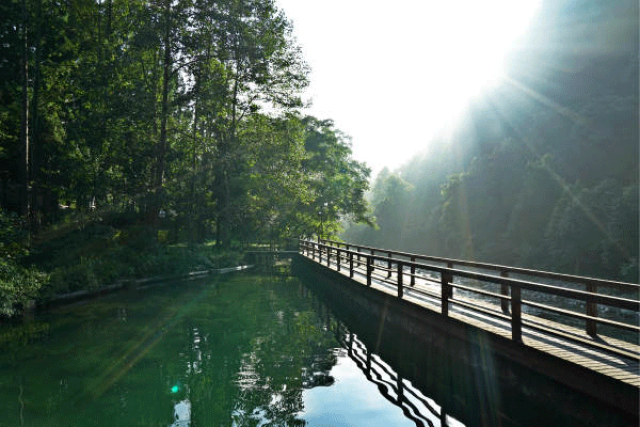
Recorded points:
(135,123)
(540,172)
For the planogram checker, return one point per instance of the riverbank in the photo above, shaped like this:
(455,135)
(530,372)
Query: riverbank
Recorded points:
(98,258)
(61,299)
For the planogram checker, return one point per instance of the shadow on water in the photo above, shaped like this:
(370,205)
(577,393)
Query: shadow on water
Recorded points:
(440,380)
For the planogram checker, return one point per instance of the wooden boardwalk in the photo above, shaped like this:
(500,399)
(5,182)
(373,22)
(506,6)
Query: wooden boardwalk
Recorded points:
(608,356)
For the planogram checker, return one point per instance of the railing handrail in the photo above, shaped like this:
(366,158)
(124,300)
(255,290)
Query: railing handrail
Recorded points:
(515,270)
(609,300)
(376,259)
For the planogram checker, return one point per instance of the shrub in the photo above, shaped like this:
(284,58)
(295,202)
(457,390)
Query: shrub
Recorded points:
(18,286)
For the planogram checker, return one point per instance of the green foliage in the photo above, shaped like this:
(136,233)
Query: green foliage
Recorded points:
(112,112)
(13,234)
(101,255)
(337,184)
(18,286)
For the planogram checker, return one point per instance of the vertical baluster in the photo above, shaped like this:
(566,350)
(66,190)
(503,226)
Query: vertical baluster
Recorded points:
(592,310)
(413,271)
(516,313)
(369,270)
(389,265)
(338,252)
(504,290)
(450,265)
(400,274)
(445,291)
(351,264)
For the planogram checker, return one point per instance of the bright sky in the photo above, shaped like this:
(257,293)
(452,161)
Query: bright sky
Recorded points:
(391,74)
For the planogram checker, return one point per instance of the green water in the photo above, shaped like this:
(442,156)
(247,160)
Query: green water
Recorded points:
(246,350)
(243,350)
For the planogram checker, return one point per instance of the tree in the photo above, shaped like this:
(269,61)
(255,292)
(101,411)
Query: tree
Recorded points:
(336,182)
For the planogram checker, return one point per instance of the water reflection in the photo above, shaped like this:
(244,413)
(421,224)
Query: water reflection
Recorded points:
(182,414)
(250,350)
(422,410)
(440,380)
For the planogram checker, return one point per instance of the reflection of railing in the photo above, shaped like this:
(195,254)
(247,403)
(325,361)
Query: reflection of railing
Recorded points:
(414,406)
(437,287)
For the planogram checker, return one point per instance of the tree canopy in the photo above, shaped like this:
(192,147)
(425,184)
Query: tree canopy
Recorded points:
(190,108)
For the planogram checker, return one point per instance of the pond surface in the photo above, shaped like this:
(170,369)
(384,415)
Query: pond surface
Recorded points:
(237,350)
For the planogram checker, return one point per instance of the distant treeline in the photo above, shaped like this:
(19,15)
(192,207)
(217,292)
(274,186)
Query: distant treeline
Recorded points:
(543,171)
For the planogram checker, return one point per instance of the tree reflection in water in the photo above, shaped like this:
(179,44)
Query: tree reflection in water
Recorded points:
(246,351)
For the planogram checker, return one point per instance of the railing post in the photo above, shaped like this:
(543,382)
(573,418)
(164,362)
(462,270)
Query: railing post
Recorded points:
(347,246)
(369,270)
(516,313)
(400,273)
(504,290)
(445,278)
(413,271)
(389,265)
(350,265)
(338,258)
(373,252)
(450,265)
(313,251)
(592,310)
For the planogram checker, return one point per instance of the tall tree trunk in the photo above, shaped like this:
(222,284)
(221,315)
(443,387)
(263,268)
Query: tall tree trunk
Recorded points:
(24,123)
(161,147)
(194,162)
(37,204)
(228,139)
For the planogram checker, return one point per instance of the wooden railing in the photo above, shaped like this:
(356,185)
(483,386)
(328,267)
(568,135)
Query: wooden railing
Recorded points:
(543,293)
